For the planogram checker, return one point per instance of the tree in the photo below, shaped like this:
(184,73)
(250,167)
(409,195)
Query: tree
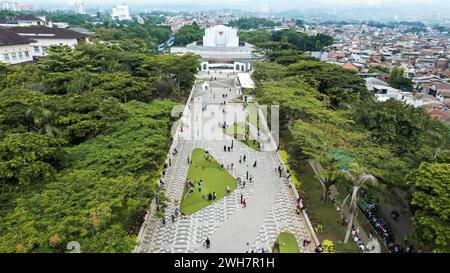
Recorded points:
(188,34)
(412,134)
(42,119)
(253,23)
(286,57)
(358,177)
(431,203)
(316,143)
(297,100)
(29,158)
(177,71)
(299,23)
(123,86)
(83,137)
(397,80)
(267,72)
(254,37)
(378,69)
(344,87)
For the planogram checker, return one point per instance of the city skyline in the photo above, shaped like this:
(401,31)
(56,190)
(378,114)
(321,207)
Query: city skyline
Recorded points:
(275,5)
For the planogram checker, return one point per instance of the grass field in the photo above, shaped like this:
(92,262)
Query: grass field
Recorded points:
(288,243)
(239,132)
(214,180)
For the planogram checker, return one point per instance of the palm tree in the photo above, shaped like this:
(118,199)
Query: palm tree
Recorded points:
(42,119)
(358,177)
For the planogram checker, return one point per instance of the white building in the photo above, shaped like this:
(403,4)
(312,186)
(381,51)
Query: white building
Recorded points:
(79,7)
(120,12)
(220,36)
(47,37)
(9,5)
(221,49)
(384,92)
(14,49)
(27,20)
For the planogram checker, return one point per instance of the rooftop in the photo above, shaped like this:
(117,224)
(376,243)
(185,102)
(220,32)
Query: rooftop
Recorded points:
(8,37)
(45,32)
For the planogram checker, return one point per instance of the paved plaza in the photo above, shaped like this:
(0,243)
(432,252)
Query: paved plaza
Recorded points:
(270,202)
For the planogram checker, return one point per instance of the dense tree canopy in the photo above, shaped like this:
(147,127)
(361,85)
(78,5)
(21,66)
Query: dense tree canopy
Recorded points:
(431,203)
(295,40)
(134,37)
(83,135)
(188,34)
(326,109)
(327,115)
(253,23)
(398,80)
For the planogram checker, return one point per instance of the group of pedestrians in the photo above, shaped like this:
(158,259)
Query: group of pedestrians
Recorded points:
(177,213)
(300,206)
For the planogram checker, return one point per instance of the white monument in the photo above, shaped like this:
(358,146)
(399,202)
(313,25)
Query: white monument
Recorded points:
(221,49)
(220,36)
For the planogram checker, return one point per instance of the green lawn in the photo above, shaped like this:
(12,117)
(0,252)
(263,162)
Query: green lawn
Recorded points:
(253,112)
(214,180)
(322,213)
(239,132)
(288,243)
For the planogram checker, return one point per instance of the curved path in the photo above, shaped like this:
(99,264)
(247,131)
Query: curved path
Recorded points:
(270,202)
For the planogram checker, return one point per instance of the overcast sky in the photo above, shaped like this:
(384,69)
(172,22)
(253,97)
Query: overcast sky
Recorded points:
(256,4)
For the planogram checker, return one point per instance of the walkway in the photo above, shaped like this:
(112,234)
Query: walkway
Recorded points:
(270,202)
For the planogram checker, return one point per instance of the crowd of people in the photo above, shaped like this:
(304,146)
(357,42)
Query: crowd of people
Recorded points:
(243,159)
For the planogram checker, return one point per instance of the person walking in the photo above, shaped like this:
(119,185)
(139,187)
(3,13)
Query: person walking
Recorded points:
(244,158)
(200,185)
(208,242)
(306,242)
(254,164)
(214,196)
(244,203)
(242,198)
(247,248)
(228,189)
